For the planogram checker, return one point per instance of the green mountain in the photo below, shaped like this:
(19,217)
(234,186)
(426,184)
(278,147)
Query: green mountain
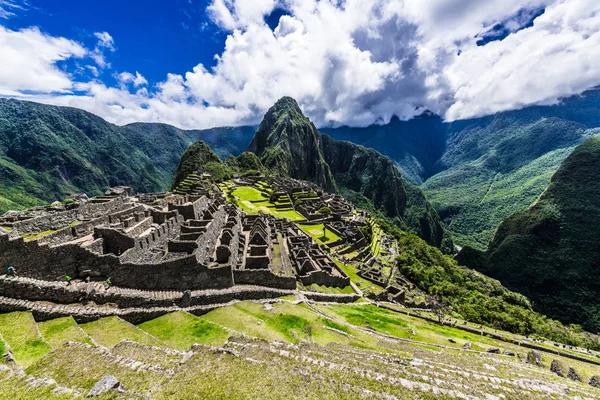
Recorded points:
(477,172)
(49,152)
(550,251)
(497,166)
(288,144)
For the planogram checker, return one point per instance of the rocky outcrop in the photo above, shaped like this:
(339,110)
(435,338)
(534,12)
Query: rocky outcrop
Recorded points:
(105,385)
(287,143)
(557,367)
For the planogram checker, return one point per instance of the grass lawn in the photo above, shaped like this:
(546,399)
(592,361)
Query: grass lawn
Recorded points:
(248,193)
(61,330)
(20,332)
(181,330)
(316,232)
(110,331)
(285,322)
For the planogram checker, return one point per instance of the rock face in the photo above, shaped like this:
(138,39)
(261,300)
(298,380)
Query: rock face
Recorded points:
(104,385)
(558,368)
(288,144)
(549,251)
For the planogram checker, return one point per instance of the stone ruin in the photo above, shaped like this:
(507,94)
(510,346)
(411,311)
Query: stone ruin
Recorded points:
(187,242)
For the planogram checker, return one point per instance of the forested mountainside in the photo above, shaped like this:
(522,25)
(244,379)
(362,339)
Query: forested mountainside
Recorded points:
(48,152)
(477,172)
(288,144)
(550,251)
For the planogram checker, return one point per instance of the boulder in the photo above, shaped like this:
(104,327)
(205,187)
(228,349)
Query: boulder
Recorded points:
(595,381)
(558,368)
(452,340)
(509,353)
(534,357)
(573,375)
(493,350)
(106,384)
(467,346)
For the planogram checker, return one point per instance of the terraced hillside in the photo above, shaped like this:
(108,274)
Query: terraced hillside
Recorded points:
(287,348)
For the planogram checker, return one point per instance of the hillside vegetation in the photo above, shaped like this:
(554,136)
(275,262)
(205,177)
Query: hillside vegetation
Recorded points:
(49,152)
(549,251)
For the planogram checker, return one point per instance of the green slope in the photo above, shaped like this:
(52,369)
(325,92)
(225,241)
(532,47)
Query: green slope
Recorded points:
(49,152)
(493,169)
(550,251)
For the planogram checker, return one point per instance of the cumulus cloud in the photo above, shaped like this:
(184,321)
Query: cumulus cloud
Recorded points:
(29,61)
(352,62)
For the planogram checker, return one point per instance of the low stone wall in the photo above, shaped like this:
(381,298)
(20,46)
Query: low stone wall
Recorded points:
(263,277)
(331,298)
(324,278)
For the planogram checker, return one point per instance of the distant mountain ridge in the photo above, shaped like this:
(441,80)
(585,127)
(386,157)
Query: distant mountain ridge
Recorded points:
(479,171)
(48,152)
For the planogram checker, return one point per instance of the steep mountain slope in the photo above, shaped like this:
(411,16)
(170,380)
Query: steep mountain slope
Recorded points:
(414,146)
(47,152)
(288,144)
(550,252)
(496,166)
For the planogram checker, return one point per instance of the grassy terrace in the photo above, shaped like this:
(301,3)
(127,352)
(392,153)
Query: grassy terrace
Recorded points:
(20,331)
(252,200)
(316,232)
(426,352)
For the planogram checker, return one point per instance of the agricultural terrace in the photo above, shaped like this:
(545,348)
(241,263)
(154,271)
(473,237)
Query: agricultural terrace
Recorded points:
(252,200)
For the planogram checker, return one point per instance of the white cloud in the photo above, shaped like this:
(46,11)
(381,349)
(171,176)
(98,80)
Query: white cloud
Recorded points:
(29,61)
(555,58)
(347,62)
(127,77)
(105,43)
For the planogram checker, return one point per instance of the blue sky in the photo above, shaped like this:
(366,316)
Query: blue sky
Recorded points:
(204,63)
(154,37)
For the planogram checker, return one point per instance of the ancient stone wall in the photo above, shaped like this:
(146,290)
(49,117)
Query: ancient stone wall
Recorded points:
(263,277)
(324,278)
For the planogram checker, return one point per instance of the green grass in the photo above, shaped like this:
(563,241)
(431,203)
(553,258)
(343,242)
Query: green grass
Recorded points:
(248,193)
(110,331)
(285,322)
(181,330)
(38,235)
(20,332)
(61,330)
(316,232)
(251,201)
